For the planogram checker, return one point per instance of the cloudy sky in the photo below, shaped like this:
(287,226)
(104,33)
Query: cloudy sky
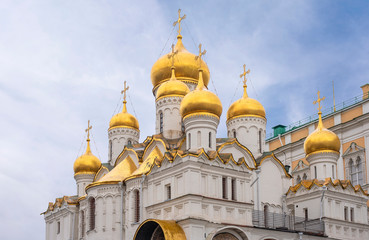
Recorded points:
(64,62)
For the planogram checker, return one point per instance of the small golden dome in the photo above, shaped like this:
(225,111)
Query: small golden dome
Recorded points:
(245,107)
(124,119)
(173,87)
(186,67)
(201,100)
(87,163)
(322,140)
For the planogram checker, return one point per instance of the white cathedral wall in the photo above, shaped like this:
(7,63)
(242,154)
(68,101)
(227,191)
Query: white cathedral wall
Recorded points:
(107,213)
(172,120)
(271,183)
(118,138)
(247,133)
(198,128)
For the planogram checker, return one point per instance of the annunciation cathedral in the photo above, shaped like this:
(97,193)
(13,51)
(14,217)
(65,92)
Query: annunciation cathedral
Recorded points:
(306,181)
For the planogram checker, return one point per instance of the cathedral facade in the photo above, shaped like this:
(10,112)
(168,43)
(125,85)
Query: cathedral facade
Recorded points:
(185,183)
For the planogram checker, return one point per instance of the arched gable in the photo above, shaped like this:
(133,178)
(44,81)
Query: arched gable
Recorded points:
(101,173)
(127,152)
(239,153)
(155,143)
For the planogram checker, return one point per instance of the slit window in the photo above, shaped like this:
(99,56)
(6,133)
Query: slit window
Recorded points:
(58,228)
(224,187)
(161,122)
(169,191)
(209,139)
(92,214)
(137,206)
(234,189)
(345,213)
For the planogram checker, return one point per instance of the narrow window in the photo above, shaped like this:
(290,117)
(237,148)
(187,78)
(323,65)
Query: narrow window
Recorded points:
(315,172)
(234,133)
(266,216)
(137,206)
(129,143)
(233,189)
(169,192)
(306,213)
(110,150)
(198,139)
(224,187)
(333,175)
(82,223)
(92,214)
(352,214)
(325,170)
(304,177)
(58,228)
(298,180)
(189,140)
(209,139)
(161,122)
(359,170)
(260,141)
(345,213)
(352,172)
(182,127)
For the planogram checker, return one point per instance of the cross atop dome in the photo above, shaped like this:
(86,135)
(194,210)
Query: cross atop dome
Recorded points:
(200,55)
(318,101)
(124,92)
(244,74)
(172,54)
(179,21)
(88,130)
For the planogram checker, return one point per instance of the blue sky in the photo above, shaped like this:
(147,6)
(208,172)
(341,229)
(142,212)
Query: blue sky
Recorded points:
(64,62)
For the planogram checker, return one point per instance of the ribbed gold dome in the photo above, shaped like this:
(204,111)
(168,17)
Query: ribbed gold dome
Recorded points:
(124,119)
(322,140)
(173,87)
(245,107)
(186,67)
(87,163)
(201,100)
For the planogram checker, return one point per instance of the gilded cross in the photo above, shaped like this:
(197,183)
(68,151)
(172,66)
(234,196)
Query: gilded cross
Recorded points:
(318,101)
(244,74)
(200,55)
(124,91)
(179,21)
(88,130)
(171,55)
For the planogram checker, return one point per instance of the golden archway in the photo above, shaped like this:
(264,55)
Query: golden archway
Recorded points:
(153,229)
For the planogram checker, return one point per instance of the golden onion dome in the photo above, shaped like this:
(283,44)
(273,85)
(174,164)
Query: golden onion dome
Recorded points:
(124,119)
(322,140)
(186,67)
(201,100)
(87,163)
(245,107)
(173,87)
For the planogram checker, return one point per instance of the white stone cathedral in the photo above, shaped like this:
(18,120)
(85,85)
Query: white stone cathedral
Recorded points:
(184,183)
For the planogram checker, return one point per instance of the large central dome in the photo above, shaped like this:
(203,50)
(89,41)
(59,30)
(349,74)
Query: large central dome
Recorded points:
(187,67)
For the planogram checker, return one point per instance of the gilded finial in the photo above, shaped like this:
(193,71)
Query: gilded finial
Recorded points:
(318,101)
(88,149)
(124,92)
(172,54)
(200,84)
(200,55)
(179,22)
(320,124)
(88,130)
(244,80)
